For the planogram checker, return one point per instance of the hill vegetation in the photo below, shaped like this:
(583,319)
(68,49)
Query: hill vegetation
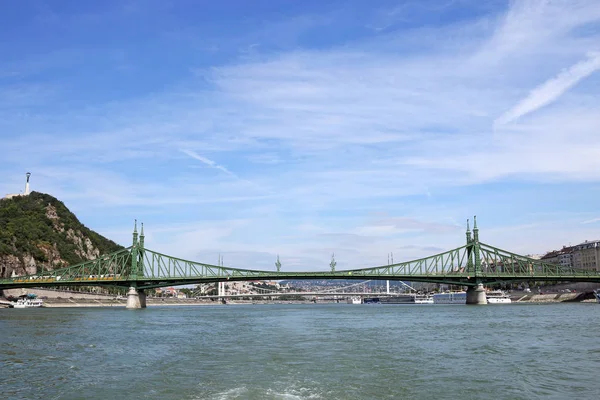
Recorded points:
(39,229)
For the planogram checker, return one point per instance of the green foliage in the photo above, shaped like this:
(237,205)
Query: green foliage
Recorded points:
(25,229)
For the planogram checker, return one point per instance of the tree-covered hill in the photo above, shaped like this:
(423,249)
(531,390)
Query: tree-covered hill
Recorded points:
(39,230)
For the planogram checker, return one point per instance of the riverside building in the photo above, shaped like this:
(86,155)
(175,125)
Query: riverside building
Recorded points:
(584,255)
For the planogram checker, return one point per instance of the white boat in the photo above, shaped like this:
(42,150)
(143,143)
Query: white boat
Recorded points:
(354,300)
(398,299)
(497,297)
(597,295)
(28,303)
(423,299)
(450,298)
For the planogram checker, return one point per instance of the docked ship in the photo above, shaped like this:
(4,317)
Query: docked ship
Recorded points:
(371,300)
(450,298)
(29,300)
(423,299)
(407,299)
(28,303)
(497,297)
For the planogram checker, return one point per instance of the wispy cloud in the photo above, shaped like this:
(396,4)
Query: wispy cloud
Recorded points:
(207,161)
(388,225)
(332,123)
(552,89)
(591,221)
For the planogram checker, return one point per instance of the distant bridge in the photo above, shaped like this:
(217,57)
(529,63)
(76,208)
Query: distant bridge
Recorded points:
(138,269)
(285,294)
(251,291)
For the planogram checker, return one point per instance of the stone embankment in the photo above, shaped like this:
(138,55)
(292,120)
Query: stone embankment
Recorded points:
(552,297)
(56,293)
(68,298)
(56,298)
(121,302)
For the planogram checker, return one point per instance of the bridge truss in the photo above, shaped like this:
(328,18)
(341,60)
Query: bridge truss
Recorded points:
(468,265)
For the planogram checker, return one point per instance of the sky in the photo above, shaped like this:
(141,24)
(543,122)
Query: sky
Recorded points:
(252,129)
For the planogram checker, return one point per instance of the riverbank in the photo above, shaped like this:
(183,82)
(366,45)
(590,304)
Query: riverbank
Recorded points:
(75,302)
(154,302)
(59,299)
(552,297)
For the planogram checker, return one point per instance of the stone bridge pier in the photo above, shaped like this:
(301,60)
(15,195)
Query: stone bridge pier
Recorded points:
(136,298)
(476,295)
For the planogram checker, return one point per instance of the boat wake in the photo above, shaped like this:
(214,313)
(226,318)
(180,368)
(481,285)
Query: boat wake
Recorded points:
(244,392)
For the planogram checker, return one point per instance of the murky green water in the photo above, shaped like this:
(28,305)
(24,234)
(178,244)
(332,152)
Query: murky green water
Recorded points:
(312,351)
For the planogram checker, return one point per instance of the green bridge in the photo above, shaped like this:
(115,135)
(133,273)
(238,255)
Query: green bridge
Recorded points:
(137,268)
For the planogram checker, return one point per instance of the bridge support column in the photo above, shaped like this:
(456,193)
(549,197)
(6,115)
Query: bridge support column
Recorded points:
(476,295)
(142,297)
(135,298)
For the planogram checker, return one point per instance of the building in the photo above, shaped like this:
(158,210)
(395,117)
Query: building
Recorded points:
(166,292)
(586,255)
(563,257)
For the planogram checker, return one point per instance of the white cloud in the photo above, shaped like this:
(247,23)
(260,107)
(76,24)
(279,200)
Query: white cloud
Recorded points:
(591,221)
(387,225)
(401,124)
(552,89)
(207,161)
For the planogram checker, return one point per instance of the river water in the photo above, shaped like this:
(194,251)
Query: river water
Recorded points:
(306,351)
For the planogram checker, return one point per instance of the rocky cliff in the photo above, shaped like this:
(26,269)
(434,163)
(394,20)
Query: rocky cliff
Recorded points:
(39,231)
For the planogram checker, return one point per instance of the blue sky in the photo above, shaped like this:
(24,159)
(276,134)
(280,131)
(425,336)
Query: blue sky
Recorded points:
(303,128)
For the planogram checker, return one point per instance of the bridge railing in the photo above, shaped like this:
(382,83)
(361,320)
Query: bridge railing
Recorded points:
(496,262)
(453,262)
(161,266)
(153,269)
(158,266)
(108,268)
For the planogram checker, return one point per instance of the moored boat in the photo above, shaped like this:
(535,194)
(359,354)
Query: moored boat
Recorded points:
(407,299)
(423,299)
(371,300)
(450,298)
(28,303)
(597,295)
(497,297)
(354,300)
(398,299)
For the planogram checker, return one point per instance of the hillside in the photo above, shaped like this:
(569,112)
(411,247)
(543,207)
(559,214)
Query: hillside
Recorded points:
(39,230)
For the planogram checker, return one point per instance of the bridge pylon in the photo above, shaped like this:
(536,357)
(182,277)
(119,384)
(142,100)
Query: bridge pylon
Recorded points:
(136,298)
(476,293)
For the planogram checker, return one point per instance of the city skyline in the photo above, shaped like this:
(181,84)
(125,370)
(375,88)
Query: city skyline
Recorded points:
(308,129)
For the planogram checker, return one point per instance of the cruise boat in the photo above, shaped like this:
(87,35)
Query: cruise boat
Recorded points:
(450,298)
(407,299)
(354,300)
(423,299)
(497,297)
(28,303)
(371,300)
(398,299)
